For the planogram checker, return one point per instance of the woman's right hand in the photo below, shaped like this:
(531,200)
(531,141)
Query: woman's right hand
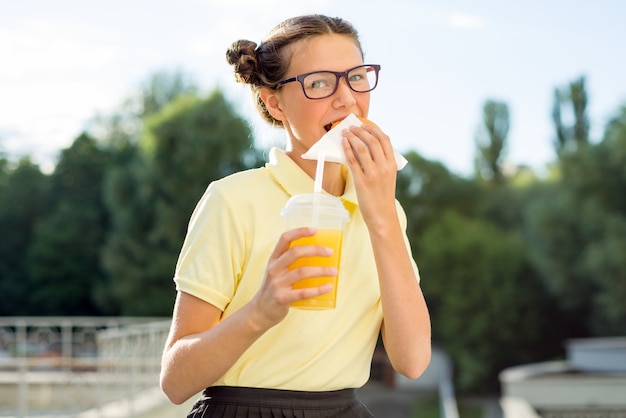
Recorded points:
(198,327)
(272,301)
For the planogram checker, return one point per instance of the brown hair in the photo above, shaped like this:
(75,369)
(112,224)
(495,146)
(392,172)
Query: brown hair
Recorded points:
(266,64)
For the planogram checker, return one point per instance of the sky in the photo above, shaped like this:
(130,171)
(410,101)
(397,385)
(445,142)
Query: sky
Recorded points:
(63,62)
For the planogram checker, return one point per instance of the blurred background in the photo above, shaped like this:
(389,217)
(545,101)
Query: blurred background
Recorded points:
(115,116)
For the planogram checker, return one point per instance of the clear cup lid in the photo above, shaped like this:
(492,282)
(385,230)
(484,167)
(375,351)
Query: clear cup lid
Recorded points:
(323,204)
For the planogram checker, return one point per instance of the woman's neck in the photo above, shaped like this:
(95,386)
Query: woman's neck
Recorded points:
(334,181)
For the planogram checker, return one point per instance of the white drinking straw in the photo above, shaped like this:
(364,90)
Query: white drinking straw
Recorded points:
(319,173)
(317,187)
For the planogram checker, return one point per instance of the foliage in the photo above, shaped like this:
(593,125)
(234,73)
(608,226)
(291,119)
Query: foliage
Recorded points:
(23,200)
(426,189)
(64,255)
(576,232)
(123,126)
(161,89)
(487,307)
(186,145)
(491,141)
(508,272)
(572,100)
(63,262)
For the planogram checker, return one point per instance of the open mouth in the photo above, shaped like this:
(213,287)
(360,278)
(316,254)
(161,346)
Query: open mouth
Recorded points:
(332,124)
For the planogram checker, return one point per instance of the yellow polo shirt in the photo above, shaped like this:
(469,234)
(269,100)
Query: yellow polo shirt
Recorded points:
(231,235)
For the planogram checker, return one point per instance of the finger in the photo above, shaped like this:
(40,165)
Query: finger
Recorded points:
(282,266)
(311,292)
(307,272)
(375,140)
(356,151)
(379,159)
(351,158)
(301,251)
(366,146)
(288,237)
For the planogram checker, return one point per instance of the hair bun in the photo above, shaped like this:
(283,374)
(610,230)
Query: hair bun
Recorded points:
(242,56)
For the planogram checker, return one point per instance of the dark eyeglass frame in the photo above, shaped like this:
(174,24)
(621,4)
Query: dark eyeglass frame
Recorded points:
(300,78)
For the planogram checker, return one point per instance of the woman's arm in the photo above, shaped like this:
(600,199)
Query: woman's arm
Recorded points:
(201,347)
(406,322)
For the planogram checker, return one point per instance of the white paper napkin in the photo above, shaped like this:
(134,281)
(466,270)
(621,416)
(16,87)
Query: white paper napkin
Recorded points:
(330,143)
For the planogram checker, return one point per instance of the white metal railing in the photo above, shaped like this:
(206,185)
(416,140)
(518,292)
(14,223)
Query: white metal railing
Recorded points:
(447,398)
(62,366)
(81,367)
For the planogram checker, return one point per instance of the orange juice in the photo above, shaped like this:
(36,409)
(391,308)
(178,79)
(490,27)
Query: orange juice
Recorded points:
(329,238)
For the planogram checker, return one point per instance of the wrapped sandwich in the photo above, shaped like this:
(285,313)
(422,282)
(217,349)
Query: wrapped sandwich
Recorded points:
(330,143)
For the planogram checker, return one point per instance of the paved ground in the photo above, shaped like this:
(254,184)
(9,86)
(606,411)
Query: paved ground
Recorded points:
(385,402)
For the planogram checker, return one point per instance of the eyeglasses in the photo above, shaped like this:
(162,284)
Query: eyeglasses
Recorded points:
(322,84)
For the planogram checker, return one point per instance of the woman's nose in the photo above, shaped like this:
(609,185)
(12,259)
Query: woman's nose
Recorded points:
(344,96)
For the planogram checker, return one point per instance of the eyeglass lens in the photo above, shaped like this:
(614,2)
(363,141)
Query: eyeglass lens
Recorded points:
(324,83)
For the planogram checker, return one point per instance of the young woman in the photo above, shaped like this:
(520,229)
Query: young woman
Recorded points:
(233,333)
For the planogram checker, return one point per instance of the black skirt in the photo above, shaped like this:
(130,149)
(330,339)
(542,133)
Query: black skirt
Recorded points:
(242,402)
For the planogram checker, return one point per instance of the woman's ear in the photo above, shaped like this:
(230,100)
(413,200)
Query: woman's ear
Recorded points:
(272,103)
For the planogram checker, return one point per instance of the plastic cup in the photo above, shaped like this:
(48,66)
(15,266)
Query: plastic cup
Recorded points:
(327,214)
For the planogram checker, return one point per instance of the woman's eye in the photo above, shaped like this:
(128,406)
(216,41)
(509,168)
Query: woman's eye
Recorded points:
(318,84)
(358,76)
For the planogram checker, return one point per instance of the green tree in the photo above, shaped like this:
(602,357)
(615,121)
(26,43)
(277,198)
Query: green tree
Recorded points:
(475,273)
(121,130)
(4,168)
(555,237)
(64,254)
(162,88)
(605,264)
(23,201)
(573,100)
(575,233)
(186,145)
(491,142)
(488,309)
(427,188)
(596,177)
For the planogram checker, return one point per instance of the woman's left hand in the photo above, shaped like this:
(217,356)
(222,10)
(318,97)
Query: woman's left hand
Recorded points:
(406,323)
(371,159)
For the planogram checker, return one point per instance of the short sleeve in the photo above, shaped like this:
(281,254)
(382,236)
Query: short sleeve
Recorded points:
(210,262)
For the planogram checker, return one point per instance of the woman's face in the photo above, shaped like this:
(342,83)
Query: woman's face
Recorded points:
(305,120)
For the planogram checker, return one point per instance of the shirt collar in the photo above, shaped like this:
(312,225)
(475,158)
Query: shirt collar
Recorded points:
(294,180)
